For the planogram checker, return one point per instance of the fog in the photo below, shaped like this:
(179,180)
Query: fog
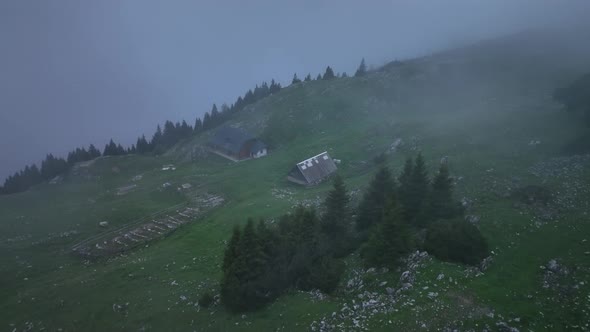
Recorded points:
(74,73)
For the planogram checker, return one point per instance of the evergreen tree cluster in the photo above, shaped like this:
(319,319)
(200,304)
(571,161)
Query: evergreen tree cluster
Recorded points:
(32,175)
(391,212)
(305,250)
(215,117)
(301,252)
(329,74)
(112,149)
(164,139)
(51,167)
(81,154)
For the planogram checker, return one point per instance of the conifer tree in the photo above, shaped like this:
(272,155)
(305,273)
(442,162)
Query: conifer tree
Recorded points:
(319,77)
(329,74)
(344,75)
(308,78)
(414,191)
(214,116)
(335,222)
(295,79)
(207,121)
(380,191)
(274,87)
(198,126)
(249,98)
(185,130)
(120,150)
(93,152)
(390,240)
(362,69)
(231,250)
(442,205)
(156,138)
(405,183)
(241,288)
(416,210)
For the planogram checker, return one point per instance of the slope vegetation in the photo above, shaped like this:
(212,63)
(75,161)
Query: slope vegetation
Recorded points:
(486,108)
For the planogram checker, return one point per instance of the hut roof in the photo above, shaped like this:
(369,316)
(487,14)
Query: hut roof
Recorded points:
(317,167)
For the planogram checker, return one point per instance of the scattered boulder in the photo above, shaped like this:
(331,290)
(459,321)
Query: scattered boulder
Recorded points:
(103,224)
(397,143)
(504,327)
(485,263)
(534,142)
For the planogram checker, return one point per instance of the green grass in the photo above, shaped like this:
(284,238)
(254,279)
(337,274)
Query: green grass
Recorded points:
(483,128)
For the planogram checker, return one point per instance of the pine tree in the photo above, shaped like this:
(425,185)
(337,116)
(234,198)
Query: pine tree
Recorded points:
(319,77)
(93,152)
(241,288)
(381,190)
(110,149)
(156,139)
(120,150)
(231,250)
(185,129)
(214,116)
(390,240)
(207,121)
(442,205)
(405,183)
(336,221)
(308,78)
(329,74)
(198,126)
(415,209)
(344,75)
(362,69)
(295,79)
(274,87)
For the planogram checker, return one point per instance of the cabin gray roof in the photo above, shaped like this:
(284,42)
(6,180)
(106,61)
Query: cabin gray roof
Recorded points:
(317,167)
(230,139)
(257,146)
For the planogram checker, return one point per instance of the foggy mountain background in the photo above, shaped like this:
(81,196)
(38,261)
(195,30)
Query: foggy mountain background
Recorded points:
(79,72)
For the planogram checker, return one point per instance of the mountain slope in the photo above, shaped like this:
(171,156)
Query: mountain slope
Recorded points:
(487,108)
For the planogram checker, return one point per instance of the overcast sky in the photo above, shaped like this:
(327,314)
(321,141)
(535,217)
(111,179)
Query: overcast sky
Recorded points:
(76,72)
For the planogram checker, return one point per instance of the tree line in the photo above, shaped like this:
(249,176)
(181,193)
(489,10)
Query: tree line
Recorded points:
(161,140)
(329,74)
(305,249)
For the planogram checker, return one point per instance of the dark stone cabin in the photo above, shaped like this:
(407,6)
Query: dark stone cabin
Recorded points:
(236,144)
(313,170)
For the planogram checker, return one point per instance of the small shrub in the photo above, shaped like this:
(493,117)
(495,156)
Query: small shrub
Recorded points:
(206,300)
(456,241)
(325,274)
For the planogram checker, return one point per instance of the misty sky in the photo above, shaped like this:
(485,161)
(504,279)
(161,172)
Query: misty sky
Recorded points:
(76,72)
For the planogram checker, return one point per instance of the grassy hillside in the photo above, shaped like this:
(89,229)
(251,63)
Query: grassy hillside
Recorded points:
(487,108)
